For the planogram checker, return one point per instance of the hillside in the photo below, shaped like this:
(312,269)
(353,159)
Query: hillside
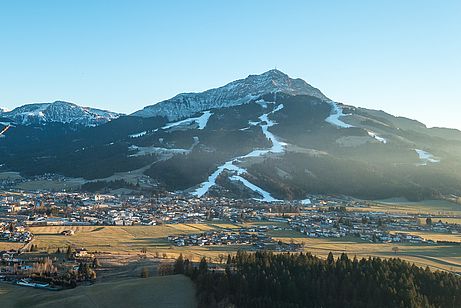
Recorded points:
(267,136)
(165,291)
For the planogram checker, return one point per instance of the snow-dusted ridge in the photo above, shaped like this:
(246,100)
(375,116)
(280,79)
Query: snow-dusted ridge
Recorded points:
(238,92)
(59,112)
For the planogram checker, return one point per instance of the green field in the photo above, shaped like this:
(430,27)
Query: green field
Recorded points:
(164,291)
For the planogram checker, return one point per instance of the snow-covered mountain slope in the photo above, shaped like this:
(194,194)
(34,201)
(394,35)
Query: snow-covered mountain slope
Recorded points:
(61,112)
(235,93)
(267,137)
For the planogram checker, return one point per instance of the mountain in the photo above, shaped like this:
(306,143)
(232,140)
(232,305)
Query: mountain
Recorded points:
(235,93)
(59,112)
(267,136)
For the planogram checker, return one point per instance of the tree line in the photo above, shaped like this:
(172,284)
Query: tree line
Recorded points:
(265,279)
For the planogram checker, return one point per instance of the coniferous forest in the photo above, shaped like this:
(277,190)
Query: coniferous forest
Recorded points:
(265,279)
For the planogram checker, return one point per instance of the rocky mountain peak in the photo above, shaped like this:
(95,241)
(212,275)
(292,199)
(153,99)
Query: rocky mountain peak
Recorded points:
(238,92)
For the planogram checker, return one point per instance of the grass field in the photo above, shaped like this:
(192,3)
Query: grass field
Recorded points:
(5,245)
(449,220)
(160,291)
(434,236)
(131,239)
(434,207)
(445,257)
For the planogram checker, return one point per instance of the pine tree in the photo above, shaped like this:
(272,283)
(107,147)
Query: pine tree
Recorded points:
(179,265)
(69,252)
(203,266)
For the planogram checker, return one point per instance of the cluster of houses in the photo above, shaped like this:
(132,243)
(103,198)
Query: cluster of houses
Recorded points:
(52,209)
(369,226)
(11,262)
(14,234)
(219,238)
(258,240)
(319,217)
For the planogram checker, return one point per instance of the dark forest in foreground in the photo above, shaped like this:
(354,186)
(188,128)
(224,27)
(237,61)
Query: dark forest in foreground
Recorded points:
(264,279)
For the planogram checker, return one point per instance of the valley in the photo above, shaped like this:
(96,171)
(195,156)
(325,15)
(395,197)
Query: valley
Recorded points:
(134,257)
(97,205)
(268,136)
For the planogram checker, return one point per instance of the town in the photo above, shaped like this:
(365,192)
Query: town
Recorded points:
(322,216)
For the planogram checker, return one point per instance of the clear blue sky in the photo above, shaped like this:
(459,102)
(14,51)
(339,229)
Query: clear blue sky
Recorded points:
(400,56)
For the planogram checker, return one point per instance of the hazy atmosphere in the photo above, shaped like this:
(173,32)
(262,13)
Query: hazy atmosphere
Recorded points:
(122,56)
(238,154)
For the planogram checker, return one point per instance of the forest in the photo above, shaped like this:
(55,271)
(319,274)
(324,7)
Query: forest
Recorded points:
(265,279)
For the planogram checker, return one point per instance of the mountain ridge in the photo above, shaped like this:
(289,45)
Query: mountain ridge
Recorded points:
(235,93)
(267,137)
(59,112)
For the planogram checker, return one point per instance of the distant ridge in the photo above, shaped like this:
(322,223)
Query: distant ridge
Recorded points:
(59,112)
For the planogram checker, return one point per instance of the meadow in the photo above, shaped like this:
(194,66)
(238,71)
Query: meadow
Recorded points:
(432,207)
(132,239)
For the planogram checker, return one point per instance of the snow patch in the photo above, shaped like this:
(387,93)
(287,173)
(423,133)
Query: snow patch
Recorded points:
(333,118)
(138,134)
(426,157)
(373,135)
(266,196)
(262,103)
(211,181)
(201,121)
(277,147)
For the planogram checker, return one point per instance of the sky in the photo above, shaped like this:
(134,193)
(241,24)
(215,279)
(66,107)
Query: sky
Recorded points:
(403,57)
